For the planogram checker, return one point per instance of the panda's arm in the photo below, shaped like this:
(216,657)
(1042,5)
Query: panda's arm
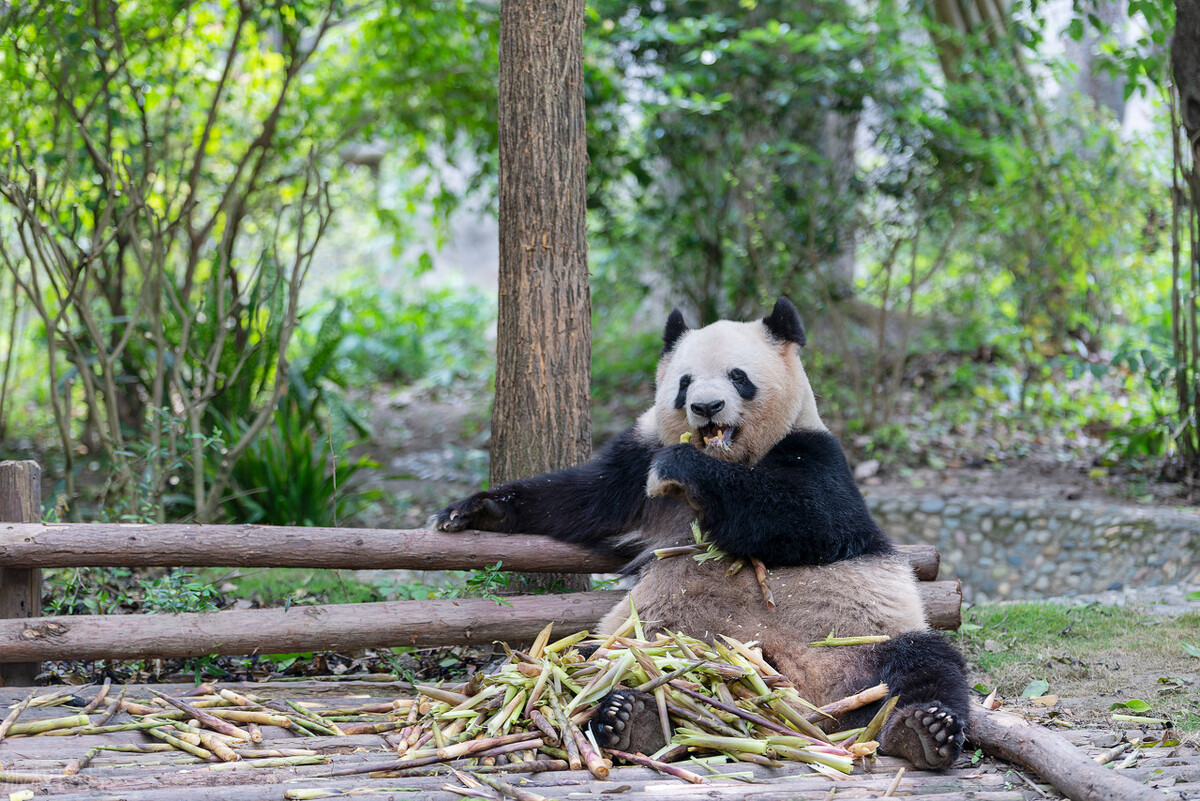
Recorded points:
(586,504)
(798,506)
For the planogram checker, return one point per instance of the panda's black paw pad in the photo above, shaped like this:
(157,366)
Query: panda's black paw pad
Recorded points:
(929,735)
(615,718)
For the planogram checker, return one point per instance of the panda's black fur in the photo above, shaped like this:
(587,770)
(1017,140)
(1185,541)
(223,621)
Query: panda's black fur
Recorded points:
(765,479)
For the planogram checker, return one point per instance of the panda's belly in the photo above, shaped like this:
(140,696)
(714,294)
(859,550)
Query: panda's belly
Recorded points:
(869,595)
(857,597)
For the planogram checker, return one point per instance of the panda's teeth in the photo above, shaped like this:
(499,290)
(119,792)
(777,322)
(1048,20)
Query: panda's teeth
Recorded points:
(721,435)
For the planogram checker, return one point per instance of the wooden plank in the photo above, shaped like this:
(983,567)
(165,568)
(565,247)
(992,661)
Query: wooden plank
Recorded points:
(335,626)
(20,586)
(173,545)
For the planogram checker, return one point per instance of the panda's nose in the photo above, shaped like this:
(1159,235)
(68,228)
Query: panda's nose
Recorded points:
(708,409)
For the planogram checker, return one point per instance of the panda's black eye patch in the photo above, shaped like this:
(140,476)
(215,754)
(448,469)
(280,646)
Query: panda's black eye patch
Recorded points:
(681,396)
(742,383)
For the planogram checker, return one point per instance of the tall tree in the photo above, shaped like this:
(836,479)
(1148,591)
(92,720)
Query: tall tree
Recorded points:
(541,419)
(1185,64)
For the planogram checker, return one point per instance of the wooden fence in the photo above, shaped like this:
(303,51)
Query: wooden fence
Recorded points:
(27,545)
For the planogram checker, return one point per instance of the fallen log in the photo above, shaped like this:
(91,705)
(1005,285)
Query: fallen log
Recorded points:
(335,626)
(1052,757)
(33,545)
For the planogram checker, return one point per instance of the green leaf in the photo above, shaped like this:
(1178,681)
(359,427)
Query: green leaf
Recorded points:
(1192,650)
(329,336)
(1193,596)
(1133,705)
(1035,688)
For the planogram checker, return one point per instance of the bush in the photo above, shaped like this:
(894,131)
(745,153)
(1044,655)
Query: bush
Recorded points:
(434,336)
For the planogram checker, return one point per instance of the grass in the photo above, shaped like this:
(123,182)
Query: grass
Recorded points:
(1094,655)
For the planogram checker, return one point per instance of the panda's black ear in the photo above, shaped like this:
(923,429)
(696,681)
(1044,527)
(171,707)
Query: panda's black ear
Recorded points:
(783,322)
(676,328)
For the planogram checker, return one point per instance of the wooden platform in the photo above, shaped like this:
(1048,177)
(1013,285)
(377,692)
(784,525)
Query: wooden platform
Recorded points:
(168,776)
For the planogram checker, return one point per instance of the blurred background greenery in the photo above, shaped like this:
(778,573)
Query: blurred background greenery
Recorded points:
(236,238)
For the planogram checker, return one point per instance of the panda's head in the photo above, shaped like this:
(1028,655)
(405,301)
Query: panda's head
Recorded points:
(738,388)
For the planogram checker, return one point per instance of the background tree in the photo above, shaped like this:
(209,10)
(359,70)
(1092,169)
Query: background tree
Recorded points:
(1185,283)
(541,419)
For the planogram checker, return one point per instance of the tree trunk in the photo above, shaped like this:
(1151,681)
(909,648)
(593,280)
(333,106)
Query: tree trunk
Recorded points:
(1185,283)
(541,419)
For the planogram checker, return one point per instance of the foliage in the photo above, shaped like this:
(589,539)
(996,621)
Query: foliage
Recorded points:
(284,478)
(132,196)
(431,336)
(987,221)
(293,587)
(488,582)
(88,591)
(165,185)
(729,214)
(178,591)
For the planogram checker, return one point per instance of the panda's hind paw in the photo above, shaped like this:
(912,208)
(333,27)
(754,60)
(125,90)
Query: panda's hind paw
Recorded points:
(627,721)
(928,735)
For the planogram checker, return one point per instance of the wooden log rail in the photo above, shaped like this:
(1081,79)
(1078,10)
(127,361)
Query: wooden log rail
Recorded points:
(126,545)
(26,547)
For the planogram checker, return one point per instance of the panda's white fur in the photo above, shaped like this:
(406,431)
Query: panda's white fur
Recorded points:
(784,402)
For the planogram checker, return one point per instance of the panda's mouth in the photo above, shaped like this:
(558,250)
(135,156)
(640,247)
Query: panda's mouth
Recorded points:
(716,435)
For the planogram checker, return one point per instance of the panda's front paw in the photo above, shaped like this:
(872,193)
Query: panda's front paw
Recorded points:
(670,471)
(627,720)
(481,511)
(928,735)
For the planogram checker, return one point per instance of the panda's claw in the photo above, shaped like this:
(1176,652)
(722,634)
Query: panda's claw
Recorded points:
(929,737)
(628,721)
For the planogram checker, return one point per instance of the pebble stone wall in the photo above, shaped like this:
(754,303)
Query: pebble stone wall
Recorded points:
(1013,549)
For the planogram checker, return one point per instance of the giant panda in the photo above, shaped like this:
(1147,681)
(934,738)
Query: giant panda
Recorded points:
(765,479)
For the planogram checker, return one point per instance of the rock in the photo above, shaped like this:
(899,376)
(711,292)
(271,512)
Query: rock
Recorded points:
(932,506)
(866,469)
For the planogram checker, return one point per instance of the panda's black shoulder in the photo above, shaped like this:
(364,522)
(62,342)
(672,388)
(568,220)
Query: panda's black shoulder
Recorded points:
(815,464)
(816,448)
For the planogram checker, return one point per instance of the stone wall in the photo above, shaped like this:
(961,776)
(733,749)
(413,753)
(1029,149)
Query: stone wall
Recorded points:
(1010,549)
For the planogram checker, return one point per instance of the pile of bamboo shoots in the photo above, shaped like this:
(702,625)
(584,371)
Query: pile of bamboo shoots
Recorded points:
(716,702)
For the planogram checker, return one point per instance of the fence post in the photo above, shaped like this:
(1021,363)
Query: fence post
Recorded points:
(20,588)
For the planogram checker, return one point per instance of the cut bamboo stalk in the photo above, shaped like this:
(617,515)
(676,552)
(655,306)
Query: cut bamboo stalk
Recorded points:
(508,790)
(661,767)
(11,718)
(848,704)
(204,718)
(591,757)
(49,724)
(76,765)
(181,743)
(99,699)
